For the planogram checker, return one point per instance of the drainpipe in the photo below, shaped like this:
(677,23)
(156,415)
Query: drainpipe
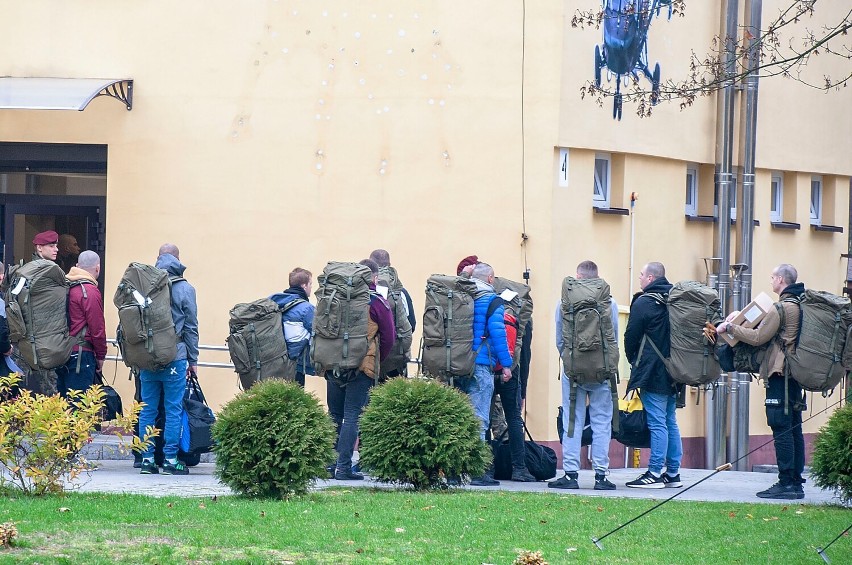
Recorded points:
(739,432)
(715,414)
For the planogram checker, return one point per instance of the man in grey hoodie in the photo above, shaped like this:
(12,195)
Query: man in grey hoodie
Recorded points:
(170,382)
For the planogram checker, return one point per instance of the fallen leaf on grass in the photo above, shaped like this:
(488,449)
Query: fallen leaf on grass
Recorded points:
(169,505)
(770,518)
(400,530)
(202,505)
(749,516)
(571,549)
(784,508)
(600,508)
(427,508)
(350,542)
(359,550)
(262,514)
(732,514)
(542,521)
(214,498)
(64,509)
(800,511)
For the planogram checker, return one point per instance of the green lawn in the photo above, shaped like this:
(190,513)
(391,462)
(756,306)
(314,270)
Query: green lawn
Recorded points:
(368,526)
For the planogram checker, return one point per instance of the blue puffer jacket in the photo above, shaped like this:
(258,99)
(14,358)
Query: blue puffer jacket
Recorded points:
(304,313)
(184,310)
(496,349)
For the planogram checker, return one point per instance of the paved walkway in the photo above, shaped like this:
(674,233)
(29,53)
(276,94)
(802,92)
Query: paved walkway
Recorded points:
(119,476)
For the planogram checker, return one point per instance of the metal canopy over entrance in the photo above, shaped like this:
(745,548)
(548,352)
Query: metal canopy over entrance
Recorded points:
(61,93)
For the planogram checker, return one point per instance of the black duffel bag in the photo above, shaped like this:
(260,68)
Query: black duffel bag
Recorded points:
(198,419)
(632,423)
(587,427)
(540,459)
(112,401)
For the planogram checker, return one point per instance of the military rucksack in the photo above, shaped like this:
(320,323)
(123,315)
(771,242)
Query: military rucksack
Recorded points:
(257,344)
(146,330)
(339,340)
(589,348)
(37,313)
(690,305)
(520,306)
(447,344)
(822,353)
(398,358)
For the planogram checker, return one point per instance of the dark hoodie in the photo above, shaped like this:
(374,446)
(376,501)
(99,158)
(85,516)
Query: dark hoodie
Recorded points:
(649,317)
(184,310)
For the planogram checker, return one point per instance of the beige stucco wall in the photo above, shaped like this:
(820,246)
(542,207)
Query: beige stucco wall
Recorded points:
(272,134)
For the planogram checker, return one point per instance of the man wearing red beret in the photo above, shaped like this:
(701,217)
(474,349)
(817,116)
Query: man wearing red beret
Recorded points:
(46,245)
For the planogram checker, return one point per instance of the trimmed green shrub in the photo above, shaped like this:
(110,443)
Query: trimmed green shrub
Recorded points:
(272,441)
(418,431)
(831,466)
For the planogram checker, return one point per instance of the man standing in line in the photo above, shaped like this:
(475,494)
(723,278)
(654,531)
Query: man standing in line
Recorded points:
(649,320)
(382,259)
(170,382)
(86,321)
(297,322)
(46,246)
(600,409)
(783,412)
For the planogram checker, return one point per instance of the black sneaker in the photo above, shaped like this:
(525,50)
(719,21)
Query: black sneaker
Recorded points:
(177,469)
(348,476)
(647,480)
(672,481)
(148,468)
(484,481)
(781,491)
(566,481)
(522,475)
(602,483)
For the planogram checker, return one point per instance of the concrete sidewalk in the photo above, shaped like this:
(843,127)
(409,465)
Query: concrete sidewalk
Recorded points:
(119,476)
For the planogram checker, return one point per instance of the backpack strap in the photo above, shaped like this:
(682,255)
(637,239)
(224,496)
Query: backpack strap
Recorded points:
(292,304)
(81,336)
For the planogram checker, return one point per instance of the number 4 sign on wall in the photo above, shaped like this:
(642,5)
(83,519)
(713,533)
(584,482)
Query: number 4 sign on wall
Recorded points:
(563,167)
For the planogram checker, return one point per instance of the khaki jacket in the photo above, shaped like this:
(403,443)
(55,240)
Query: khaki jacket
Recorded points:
(370,363)
(766,331)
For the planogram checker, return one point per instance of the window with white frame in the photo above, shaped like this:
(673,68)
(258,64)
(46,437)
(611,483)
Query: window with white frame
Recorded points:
(603,168)
(691,191)
(776,203)
(816,200)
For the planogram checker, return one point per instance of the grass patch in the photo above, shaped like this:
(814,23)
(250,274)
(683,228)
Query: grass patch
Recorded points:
(376,526)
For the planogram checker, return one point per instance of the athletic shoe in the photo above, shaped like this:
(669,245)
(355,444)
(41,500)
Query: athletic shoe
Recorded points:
(484,481)
(178,468)
(672,481)
(781,491)
(148,468)
(523,476)
(602,483)
(647,480)
(566,481)
(348,476)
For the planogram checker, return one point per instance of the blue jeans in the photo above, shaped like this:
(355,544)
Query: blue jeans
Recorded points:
(345,405)
(600,414)
(666,447)
(480,389)
(171,383)
(67,377)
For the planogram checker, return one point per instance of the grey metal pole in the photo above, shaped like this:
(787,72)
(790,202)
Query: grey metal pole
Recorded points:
(716,404)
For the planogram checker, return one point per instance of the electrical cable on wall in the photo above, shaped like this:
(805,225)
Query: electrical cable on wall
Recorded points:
(524,236)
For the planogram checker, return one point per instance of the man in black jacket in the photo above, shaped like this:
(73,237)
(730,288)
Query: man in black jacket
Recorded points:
(649,320)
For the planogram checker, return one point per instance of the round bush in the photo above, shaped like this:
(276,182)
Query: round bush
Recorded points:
(272,440)
(832,461)
(416,431)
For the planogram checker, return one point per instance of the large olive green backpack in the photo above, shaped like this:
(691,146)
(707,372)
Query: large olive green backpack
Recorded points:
(691,305)
(447,345)
(589,348)
(397,359)
(146,330)
(256,342)
(340,322)
(822,353)
(520,305)
(37,313)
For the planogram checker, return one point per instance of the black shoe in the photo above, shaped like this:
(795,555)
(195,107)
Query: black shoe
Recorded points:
(602,483)
(672,481)
(567,481)
(137,463)
(783,492)
(647,480)
(348,476)
(178,468)
(148,468)
(484,481)
(522,475)
(331,469)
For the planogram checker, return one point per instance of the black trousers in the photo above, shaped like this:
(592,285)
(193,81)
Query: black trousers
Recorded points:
(510,397)
(786,428)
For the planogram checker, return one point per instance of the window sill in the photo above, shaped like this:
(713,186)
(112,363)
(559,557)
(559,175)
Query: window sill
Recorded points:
(833,229)
(612,211)
(698,218)
(786,226)
(734,222)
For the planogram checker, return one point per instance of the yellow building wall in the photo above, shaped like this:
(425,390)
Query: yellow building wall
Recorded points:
(269,134)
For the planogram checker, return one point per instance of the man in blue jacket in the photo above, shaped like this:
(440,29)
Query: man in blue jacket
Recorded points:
(492,349)
(649,320)
(298,321)
(170,382)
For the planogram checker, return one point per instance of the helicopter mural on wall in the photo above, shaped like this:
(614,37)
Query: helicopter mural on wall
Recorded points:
(624,52)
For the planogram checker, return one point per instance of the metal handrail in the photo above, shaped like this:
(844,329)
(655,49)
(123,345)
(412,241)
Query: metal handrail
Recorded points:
(211,364)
